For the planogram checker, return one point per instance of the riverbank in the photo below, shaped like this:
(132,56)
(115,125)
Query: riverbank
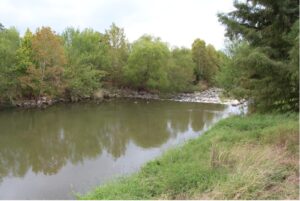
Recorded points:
(252,157)
(212,95)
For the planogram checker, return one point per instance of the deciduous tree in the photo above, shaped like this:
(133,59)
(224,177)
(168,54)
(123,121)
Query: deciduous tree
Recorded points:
(146,68)
(9,43)
(181,70)
(118,52)
(49,59)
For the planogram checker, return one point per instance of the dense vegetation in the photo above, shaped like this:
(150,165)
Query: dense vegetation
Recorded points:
(76,63)
(263,62)
(253,157)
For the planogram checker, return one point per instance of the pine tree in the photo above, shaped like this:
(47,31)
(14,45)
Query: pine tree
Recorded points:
(266,69)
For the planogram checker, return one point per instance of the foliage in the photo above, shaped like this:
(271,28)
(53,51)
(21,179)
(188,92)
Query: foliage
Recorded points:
(9,43)
(251,74)
(118,52)
(25,52)
(180,70)
(267,69)
(206,59)
(78,62)
(85,52)
(45,75)
(200,58)
(83,81)
(254,157)
(87,47)
(9,89)
(31,82)
(146,68)
(47,49)
(263,23)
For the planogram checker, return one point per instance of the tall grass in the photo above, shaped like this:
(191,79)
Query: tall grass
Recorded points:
(253,157)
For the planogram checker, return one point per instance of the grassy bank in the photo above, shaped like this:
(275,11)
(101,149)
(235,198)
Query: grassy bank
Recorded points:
(254,157)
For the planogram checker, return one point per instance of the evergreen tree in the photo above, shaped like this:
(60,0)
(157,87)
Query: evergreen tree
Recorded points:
(268,73)
(25,52)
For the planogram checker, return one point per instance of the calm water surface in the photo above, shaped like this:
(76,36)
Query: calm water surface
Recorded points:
(49,154)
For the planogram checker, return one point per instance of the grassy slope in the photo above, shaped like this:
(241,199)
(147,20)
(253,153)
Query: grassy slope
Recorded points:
(254,157)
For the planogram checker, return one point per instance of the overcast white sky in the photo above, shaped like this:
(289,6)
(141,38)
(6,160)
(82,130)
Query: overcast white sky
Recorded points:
(177,22)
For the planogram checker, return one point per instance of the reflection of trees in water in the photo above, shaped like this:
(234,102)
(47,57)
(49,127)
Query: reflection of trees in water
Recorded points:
(46,140)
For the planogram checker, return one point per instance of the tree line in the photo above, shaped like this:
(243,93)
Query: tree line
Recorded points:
(77,62)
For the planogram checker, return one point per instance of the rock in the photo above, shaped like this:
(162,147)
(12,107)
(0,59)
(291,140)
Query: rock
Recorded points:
(44,98)
(50,102)
(27,104)
(208,96)
(107,96)
(32,104)
(99,94)
(235,103)
(74,99)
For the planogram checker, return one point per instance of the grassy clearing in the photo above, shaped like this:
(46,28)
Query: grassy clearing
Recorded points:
(254,157)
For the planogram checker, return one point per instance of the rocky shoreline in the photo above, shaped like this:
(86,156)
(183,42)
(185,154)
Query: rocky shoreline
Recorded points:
(211,95)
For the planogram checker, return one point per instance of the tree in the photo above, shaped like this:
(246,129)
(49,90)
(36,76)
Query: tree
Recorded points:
(263,23)
(87,47)
(82,81)
(200,58)
(25,52)
(206,60)
(47,49)
(49,61)
(147,62)
(266,64)
(231,77)
(214,62)
(181,70)
(118,52)
(9,43)
(86,55)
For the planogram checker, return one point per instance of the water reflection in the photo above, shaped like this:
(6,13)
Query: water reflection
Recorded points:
(44,141)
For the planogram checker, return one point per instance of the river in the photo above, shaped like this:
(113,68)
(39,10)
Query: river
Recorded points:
(67,148)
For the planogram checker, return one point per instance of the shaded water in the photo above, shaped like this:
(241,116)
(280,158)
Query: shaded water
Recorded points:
(48,154)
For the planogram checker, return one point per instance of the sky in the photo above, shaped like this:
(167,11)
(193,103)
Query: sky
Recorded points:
(177,22)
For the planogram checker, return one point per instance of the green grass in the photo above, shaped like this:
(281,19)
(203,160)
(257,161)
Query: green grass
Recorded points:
(253,157)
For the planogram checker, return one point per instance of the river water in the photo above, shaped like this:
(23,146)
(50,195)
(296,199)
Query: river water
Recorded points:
(52,153)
